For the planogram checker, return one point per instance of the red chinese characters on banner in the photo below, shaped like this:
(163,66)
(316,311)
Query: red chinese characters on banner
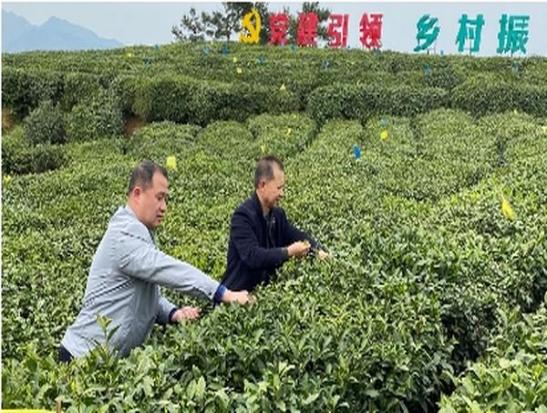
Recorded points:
(279,25)
(371,30)
(306,34)
(337,22)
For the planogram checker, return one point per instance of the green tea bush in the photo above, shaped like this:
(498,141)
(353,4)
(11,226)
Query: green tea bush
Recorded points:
(79,87)
(24,89)
(443,75)
(186,100)
(512,376)
(45,124)
(20,156)
(284,135)
(159,140)
(358,102)
(125,88)
(96,117)
(482,95)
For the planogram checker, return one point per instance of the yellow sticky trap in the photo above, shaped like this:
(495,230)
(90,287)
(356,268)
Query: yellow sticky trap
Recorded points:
(129,54)
(283,88)
(507,210)
(384,135)
(239,71)
(289,131)
(234,59)
(515,112)
(171,163)
(7,179)
(263,149)
(544,129)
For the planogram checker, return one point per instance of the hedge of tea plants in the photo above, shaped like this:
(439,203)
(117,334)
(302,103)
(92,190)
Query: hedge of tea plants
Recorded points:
(434,294)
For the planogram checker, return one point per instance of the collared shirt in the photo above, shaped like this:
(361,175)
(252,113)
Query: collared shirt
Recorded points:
(124,285)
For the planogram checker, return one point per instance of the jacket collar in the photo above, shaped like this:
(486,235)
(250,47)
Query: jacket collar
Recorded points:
(258,206)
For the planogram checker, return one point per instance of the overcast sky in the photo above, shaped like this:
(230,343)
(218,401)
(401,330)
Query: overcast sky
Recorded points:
(150,23)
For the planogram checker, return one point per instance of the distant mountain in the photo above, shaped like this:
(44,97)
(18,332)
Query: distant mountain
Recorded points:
(18,35)
(13,25)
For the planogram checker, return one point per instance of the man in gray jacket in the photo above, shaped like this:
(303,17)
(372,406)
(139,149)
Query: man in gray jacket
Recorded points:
(127,271)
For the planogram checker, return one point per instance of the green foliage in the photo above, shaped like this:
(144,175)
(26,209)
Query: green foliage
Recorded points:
(96,117)
(125,87)
(21,156)
(164,99)
(443,75)
(191,27)
(358,102)
(24,89)
(512,376)
(79,86)
(420,265)
(282,135)
(157,141)
(205,67)
(447,244)
(185,100)
(45,124)
(483,95)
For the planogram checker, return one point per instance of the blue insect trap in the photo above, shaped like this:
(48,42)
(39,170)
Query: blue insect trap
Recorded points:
(357,152)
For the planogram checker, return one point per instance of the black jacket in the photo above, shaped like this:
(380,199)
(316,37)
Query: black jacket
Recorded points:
(258,245)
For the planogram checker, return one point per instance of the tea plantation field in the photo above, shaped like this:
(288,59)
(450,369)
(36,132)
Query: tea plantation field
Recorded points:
(434,298)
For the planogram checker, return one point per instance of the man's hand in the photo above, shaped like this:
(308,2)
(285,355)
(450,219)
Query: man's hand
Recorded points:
(239,297)
(323,255)
(299,249)
(185,313)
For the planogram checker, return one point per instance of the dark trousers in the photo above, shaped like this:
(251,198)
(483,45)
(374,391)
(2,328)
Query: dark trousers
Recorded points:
(64,355)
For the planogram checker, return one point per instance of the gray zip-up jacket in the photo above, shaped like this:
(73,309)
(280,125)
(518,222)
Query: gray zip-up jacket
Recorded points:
(123,285)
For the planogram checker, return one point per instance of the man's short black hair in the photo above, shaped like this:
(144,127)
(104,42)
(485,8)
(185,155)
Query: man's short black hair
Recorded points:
(143,173)
(264,168)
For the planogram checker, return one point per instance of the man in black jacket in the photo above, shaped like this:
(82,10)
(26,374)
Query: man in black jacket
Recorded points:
(261,237)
